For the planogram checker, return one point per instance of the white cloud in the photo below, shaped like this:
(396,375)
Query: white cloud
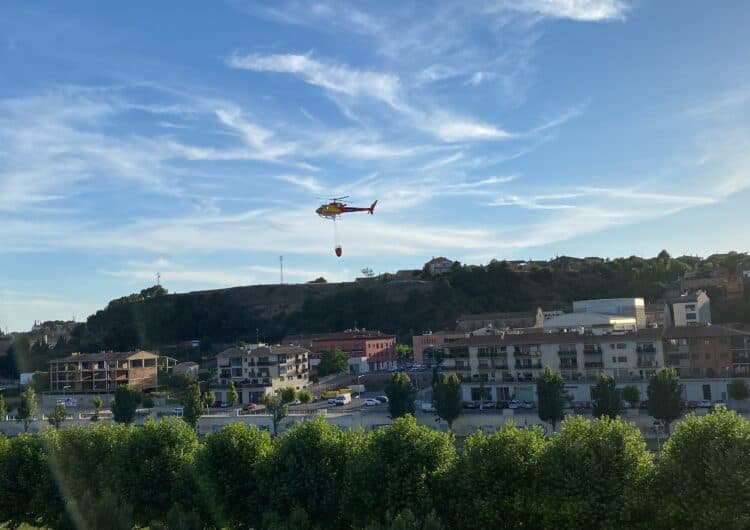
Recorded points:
(306,183)
(581,10)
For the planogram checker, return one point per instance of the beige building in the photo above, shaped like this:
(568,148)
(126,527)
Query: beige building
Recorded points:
(103,372)
(257,371)
(429,342)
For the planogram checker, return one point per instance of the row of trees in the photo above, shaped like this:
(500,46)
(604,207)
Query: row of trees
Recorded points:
(590,474)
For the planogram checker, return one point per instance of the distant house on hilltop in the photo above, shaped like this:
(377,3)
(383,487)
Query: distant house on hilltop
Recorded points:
(439,265)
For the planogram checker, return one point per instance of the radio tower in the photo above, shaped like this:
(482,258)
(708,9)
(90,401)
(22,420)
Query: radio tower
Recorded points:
(281,268)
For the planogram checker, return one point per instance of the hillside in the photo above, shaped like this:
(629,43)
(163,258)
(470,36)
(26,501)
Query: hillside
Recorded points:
(154,319)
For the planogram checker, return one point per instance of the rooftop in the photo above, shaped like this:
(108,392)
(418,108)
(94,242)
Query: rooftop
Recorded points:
(558,338)
(101,356)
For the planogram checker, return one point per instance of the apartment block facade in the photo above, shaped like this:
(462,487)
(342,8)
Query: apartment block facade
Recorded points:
(368,350)
(707,351)
(260,370)
(103,372)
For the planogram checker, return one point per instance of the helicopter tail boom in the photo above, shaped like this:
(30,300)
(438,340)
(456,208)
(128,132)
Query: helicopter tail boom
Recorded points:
(371,209)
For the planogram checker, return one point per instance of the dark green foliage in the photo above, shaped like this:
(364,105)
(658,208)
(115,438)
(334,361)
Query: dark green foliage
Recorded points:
(401,395)
(396,469)
(594,474)
(738,390)
(403,352)
(58,416)
(232,396)
(664,396)
(333,361)
(550,390)
(124,403)
(606,397)
(631,394)
(228,458)
(446,393)
(278,408)
(702,476)
(305,396)
(496,478)
(27,408)
(192,405)
(3,408)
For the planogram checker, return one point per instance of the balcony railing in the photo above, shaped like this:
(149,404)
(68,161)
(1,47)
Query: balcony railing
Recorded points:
(645,349)
(534,366)
(567,353)
(592,351)
(568,366)
(593,364)
(643,363)
(527,353)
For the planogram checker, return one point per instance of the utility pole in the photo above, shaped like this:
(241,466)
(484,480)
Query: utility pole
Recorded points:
(281,268)
(158,278)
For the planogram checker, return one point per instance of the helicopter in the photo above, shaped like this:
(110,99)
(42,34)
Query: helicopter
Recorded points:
(334,209)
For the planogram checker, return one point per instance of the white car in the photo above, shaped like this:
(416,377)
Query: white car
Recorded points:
(428,407)
(705,404)
(296,402)
(371,402)
(382,399)
(514,404)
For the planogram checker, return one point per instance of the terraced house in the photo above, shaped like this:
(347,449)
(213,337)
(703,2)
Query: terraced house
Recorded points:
(259,370)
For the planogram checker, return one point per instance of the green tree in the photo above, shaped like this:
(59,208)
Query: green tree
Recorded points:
(496,478)
(403,353)
(58,416)
(3,408)
(333,361)
(632,395)
(401,394)
(702,473)
(229,457)
(232,396)
(664,396)
(97,402)
(606,397)
(27,408)
(550,390)
(309,466)
(407,462)
(447,397)
(209,398)
(305,397)
(124,403)
(594,474)
(738,390)
(192,405)
(288,394)
(277,406)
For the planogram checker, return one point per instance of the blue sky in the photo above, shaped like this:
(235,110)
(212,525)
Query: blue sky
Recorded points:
(192,138)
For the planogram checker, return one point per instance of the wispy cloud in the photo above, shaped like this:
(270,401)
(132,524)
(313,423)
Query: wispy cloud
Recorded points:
(306,183)
(581,10)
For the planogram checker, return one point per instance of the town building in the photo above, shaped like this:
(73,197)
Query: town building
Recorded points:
(367,350)
(730,283)
(655,315)
(185,368)
(688,310)
(626,307)
(103,372)
(520,319)
(594,322)
(438,266)
(260,370)
(707,351)
(425,345)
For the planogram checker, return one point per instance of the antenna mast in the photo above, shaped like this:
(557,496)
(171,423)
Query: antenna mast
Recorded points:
(158,278)
(281,269)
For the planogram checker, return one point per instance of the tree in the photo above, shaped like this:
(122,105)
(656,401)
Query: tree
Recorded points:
(288,394)
(401,394)
(447,396)
(97,402)
(738,390)
(278,408)
(606,398)
(403,353)
(232,396)
(702,473)
(229,457)
(664,396)
(319,279)
(58,416)
(124,403)
(594,474)
(550,390)
(209,398)
(496,478)
(27,408)
(632,395)
(333,361)
(305,397)
(3,408)
(192,405)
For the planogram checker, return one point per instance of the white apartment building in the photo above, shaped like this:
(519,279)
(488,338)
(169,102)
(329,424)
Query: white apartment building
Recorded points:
(688,310)
(595,322)
(259,370)
(509,365)
(626,307)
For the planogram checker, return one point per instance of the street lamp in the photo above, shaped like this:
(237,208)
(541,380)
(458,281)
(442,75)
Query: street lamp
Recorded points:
(657,426)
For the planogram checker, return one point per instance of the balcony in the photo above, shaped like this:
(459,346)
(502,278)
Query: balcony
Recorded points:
(645,349)
(569,366)
(593,364)
(526,353)
(647,363)
(592,351)
(567,353)
(533,366)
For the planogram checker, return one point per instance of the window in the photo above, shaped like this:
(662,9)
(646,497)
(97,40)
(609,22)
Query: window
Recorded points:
(723,355)
(621,345)
(136,363)
(694,356)
(690,316)
(612,346)
(614,359)
(706,391)
(149,363)
(690,307)
(708,356)
(622,359)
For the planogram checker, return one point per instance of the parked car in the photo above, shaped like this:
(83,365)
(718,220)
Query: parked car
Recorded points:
(417,368)
(692,405)
(705,404)
(514,404)
(720,403)
(427,406)
(343,399)
(372,402)
(178,411)
(488,405)
(332,401)
(527,405)
(296,402)
(382,399)
(471,404)
(643,404)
